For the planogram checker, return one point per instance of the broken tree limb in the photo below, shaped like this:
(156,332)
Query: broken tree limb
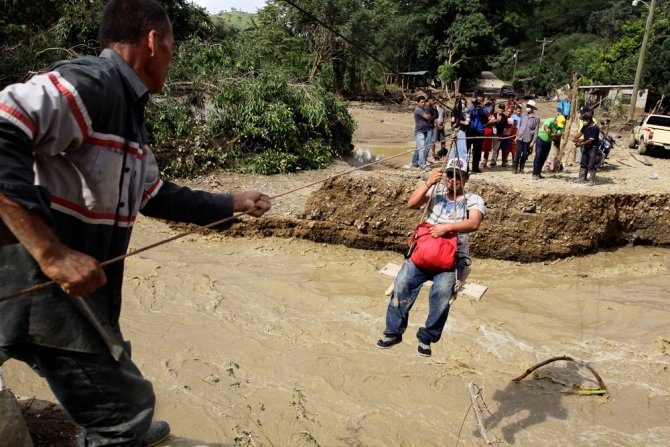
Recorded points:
(571,119)
(601,384)
(475,395)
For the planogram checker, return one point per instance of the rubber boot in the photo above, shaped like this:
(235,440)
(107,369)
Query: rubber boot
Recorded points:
(582,176)
(521,166)
(592,178)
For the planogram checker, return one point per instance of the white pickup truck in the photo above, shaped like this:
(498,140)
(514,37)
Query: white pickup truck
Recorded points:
(652,132)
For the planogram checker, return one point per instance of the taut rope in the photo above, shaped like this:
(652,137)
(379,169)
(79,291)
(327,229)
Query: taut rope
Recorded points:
(202,228)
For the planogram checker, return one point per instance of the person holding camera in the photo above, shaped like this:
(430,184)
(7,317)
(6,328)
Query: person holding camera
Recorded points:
(460,122)
(478,119)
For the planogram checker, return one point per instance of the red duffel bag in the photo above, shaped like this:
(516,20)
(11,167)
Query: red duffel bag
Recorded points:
(430,253)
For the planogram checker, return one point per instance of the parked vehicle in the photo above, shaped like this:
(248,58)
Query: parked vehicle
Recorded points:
(652,132)
(507,91)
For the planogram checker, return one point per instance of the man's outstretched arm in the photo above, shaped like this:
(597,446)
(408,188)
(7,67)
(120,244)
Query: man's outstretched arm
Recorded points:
(77,273)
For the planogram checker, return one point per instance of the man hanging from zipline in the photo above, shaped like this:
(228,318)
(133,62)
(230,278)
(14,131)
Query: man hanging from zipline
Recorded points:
(452,214)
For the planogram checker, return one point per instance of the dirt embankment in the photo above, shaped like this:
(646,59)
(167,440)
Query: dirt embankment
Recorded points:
(368,210)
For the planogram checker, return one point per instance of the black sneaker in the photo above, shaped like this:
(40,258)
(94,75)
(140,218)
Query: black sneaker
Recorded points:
(424,350)
(158,432)
(386,342)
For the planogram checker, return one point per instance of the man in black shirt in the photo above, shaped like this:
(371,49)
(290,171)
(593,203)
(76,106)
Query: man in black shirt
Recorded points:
(589,146)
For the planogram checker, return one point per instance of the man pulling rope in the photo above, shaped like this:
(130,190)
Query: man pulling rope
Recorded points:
(75,170)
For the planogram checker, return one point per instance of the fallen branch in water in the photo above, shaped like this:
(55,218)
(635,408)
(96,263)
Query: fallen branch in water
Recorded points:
(475,396)
(601,384)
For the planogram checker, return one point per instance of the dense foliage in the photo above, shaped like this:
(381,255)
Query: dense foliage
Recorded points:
(257,92)
(222,107)
(221,110)
(599,40)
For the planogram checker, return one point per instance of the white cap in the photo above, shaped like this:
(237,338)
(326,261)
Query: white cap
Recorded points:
(457,164)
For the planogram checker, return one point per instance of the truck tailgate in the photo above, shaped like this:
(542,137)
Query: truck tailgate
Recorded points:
(660,136)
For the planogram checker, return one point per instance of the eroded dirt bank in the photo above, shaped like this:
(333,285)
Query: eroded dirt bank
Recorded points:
(368,210)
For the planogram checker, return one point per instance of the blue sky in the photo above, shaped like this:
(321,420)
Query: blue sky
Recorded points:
(216,6)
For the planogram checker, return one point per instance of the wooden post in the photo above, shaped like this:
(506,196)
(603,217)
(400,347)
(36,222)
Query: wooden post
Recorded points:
(616,95)
(568,127)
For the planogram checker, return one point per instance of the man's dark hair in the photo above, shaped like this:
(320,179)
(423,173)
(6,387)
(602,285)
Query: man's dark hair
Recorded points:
(127,21)
(420,98)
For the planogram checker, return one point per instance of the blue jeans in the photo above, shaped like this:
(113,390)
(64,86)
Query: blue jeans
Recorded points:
(429,141)
(542,149)
(522,153)
(588,158)
(422,148)
(406,288)
(111,400)
(461,147)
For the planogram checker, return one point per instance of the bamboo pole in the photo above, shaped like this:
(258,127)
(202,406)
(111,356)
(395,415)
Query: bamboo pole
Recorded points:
(571,119)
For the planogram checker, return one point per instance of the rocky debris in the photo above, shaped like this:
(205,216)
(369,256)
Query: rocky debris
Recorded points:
(48,423)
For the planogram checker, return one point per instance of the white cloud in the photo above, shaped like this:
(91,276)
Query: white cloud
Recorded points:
(216,6)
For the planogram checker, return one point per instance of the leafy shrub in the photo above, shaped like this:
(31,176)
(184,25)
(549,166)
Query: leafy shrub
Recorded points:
(218,115)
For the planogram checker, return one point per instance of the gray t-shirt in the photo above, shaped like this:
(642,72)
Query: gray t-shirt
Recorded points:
(443,210)
(420,123)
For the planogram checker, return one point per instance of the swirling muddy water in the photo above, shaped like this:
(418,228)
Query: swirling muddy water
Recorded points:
(273,340)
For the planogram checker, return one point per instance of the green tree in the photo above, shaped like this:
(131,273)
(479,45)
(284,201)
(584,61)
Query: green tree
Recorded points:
(221,110)
(656,75)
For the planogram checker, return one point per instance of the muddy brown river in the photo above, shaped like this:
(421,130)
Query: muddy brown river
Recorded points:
(271,342)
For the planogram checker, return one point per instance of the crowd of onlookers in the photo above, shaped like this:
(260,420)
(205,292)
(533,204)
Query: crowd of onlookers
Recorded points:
(488,131)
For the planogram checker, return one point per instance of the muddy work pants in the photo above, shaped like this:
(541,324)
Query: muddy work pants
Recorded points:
(109,399)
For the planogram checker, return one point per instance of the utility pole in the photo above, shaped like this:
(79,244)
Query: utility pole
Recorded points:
(516,58)
(544,41)
(640,61)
